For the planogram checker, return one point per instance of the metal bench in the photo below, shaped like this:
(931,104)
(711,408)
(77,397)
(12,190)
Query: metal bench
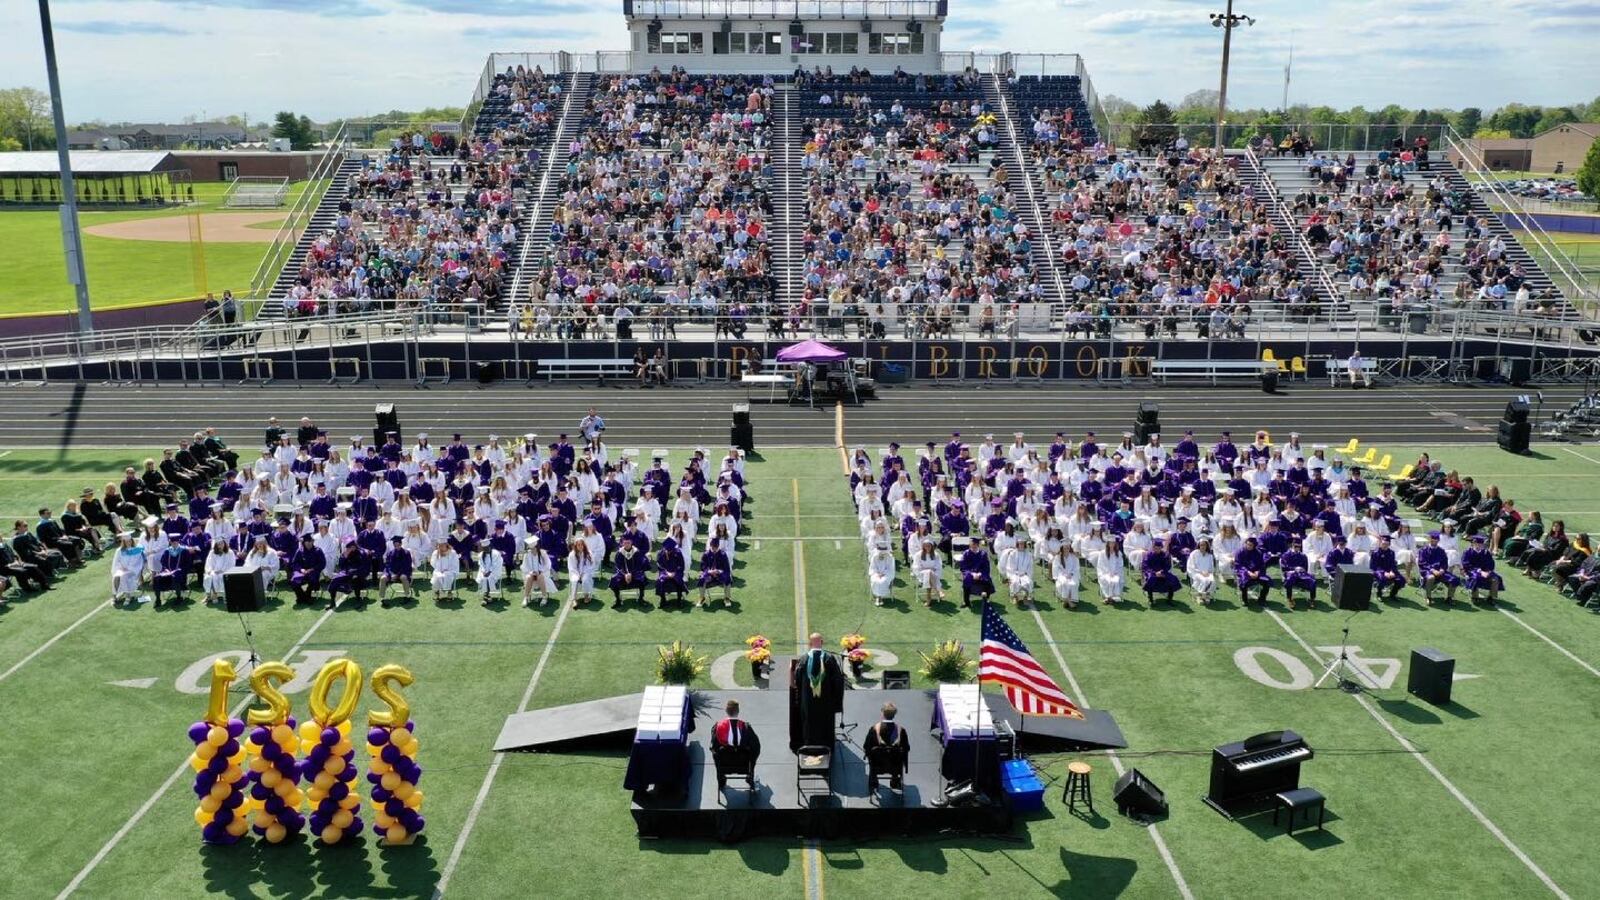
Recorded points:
(1163,369)
(585,368)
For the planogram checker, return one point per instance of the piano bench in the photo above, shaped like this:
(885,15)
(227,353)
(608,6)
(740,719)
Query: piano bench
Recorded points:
(1296,800)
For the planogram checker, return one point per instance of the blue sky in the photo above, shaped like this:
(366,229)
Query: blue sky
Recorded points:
(147,60)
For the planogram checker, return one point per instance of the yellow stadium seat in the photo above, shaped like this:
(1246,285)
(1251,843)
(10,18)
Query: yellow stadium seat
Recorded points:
(1383,464)
(1404,473)
(1268,356)
(1297,366)
(1349,448)
(1367,459)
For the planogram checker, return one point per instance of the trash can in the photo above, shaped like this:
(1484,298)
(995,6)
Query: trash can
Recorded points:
(1417,321)
(1269,381)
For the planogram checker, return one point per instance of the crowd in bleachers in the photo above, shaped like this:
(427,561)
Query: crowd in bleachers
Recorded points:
(1263,516)
(909,209)
(664,202)
(510,519)
(1388,230)
(422,228)
(1170,240)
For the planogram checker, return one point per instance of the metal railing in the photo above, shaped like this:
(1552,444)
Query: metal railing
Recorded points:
(1337,302)
(289,233)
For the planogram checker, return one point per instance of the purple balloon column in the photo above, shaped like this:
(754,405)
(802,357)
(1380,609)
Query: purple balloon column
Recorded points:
(394,775)
(275,794)
(218,762)
(329,765)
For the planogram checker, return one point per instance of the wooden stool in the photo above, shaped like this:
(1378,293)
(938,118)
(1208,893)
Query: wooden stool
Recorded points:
(1078,786)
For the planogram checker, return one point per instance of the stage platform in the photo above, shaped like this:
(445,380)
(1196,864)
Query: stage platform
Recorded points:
(777,805)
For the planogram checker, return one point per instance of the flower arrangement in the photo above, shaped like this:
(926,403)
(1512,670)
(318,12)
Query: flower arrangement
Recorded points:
(947,664)
(852,642)
(760,648)
(858,655)
(677,664)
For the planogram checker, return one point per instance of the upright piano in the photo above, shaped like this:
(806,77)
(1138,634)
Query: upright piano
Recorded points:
(1254,768)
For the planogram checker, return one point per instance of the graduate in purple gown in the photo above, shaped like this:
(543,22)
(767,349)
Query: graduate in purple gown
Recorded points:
(1297,573)
(1385,568)
(398,568)
(1433,569)
(1477,563)
(1340,555)
(1156,573)
(349,575)
(1250,570)
(305,570)
(630,572)
(975,576)
(669,573)
(715,571)
(170,572)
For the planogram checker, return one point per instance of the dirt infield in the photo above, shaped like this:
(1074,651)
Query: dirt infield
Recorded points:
(223,228)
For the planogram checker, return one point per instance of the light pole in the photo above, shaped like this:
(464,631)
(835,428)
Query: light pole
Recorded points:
(1227,21)
(71,239)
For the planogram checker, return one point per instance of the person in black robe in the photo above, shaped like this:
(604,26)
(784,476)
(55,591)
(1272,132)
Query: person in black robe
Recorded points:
(816,697)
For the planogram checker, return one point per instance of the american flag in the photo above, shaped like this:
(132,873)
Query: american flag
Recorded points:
(1004,659)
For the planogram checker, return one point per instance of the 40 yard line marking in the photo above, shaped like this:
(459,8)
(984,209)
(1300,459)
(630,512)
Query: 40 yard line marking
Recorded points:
(1077,692)
(494,767)
(1433,770)
(172,779)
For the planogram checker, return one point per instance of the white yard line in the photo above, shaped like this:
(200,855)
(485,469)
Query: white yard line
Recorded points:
(172,779)
(494,767)
(48,644)
(1077,693)
(1580,455)
(1543,637)
(1433,770)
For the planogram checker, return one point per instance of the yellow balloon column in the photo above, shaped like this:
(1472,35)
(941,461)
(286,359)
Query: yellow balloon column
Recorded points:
(329,762)
(394,773)
(275,795)
(218,764)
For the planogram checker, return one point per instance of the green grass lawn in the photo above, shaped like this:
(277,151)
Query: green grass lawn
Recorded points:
(1517,741)
(120,271)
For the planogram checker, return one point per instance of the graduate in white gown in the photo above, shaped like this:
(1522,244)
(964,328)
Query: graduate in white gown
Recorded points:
(1016,566)
(1064,574)
(127,569)
(536,573)
(581,568)
(1202,569)
(928,568)
(880,574)
(491,571)
(217,564)
(1108,565)
(446,566)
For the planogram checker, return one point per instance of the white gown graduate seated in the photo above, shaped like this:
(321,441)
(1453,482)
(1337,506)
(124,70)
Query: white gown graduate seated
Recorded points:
(880,574)
(928,569)
(582,565)
(491,571)
(1016,566)
(127,568)
(1202,569)
(217,564)
(536,575)
(1108,566)
(446,566)
(1065,571)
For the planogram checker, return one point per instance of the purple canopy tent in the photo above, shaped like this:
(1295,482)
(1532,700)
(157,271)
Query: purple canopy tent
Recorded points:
(811,352)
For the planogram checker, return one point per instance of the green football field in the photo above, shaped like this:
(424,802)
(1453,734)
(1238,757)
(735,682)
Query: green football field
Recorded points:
(122,272)
(1486,797)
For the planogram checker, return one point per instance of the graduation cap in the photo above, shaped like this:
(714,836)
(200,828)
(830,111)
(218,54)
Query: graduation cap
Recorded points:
(396,539)
(422,435)
(658,454)
(172,506)
(151,520)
